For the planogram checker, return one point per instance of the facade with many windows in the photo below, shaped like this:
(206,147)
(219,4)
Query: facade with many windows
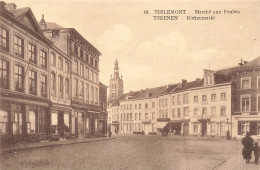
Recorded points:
(24,96)
(38,69)
(84,76)
(246,99)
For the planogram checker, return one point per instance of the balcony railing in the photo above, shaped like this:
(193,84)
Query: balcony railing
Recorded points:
(163,119)
(146,121)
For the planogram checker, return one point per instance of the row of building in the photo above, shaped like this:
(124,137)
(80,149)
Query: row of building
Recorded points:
(222,102)
(49,80)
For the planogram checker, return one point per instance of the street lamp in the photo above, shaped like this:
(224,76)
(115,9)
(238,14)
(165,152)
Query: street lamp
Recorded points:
(228,133)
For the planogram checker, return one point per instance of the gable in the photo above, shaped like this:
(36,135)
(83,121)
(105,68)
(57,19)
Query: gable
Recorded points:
(29,21)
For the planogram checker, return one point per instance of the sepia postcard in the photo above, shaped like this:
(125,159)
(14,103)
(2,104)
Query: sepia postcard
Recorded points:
(126,84)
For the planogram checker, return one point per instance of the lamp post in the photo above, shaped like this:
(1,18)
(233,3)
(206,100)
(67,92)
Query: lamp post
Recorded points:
(228,133)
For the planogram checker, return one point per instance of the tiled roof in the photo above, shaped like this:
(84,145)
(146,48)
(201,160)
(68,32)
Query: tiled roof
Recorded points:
(253,63)
(19,11)
(52,25)
(189,85)
(170,88)
(150,93)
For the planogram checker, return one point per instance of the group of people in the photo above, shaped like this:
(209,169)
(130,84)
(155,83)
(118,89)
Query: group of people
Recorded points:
(249,147)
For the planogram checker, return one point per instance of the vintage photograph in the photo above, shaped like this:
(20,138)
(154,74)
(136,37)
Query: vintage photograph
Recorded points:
(130,84)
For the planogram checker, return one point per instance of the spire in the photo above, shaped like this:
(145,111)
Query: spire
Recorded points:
(116,65)
(43,23)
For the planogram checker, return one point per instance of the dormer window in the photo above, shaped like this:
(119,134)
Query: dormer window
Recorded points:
(55,33)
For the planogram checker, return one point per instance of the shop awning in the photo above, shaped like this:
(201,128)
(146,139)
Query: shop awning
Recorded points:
(161,125)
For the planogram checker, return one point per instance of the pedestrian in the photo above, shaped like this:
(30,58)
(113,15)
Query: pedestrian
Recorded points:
(256,152)
(248,143)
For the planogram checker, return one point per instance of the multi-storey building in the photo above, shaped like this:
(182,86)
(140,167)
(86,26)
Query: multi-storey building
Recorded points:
(24,65)
(84,76)
(49,86)
(103,104)
(246,99)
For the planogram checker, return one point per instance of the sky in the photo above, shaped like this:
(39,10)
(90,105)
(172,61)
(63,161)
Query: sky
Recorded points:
(152,52)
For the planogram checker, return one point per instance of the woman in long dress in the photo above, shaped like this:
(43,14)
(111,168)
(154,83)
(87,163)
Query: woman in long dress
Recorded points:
(248,143)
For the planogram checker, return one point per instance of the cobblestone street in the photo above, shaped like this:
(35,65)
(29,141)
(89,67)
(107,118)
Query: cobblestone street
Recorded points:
(129,152)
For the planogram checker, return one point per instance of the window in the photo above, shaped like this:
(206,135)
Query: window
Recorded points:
(3,122)
(53,59)
(223,111)
(213,111)
(91,75)
(196,112)
(76,49)
(43,86)
(140,106)
(186,111)
(32,53)
(19,78)
(87,72)
(139,116)
(179,113)
(32,82)
(43,59)
(96,65)
(76,88)
(91,61)
(204,98)
(75,66)
(4,39)
(196,99)
(18,47)
(131,116)
(81,70)
(18,119)
(136,106)
(136,116)
(196,128)
(81,92)
(213,97)
(173,100)
(153,116)
(185,98)
(246,83)
(179,99)
(4,74)
(87,93)
(66,122)
(55,33)
(60,63)
(244,127)
(153,104)
(223,96)
(146,105)
(213,128)
(67,89)
(173,113)
(204,111)
(245,102)
(54,123)
(146,116)
(223,128)
(92,94)
(81,54)
(86,57)
(60,87)
(53,84)
(67,66)
(32,120)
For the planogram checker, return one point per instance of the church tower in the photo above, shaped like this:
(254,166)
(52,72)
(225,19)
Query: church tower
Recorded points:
(116,85)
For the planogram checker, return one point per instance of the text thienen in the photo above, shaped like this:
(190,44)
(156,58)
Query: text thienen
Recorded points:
(165,17)
(200,18)
(169,12)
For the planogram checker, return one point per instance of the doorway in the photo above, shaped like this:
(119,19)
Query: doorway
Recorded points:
(185,129)
(203,128)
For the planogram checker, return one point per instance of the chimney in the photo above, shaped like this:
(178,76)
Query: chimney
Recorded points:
(10,6)
(183,81)
(2,4)
(43,24)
